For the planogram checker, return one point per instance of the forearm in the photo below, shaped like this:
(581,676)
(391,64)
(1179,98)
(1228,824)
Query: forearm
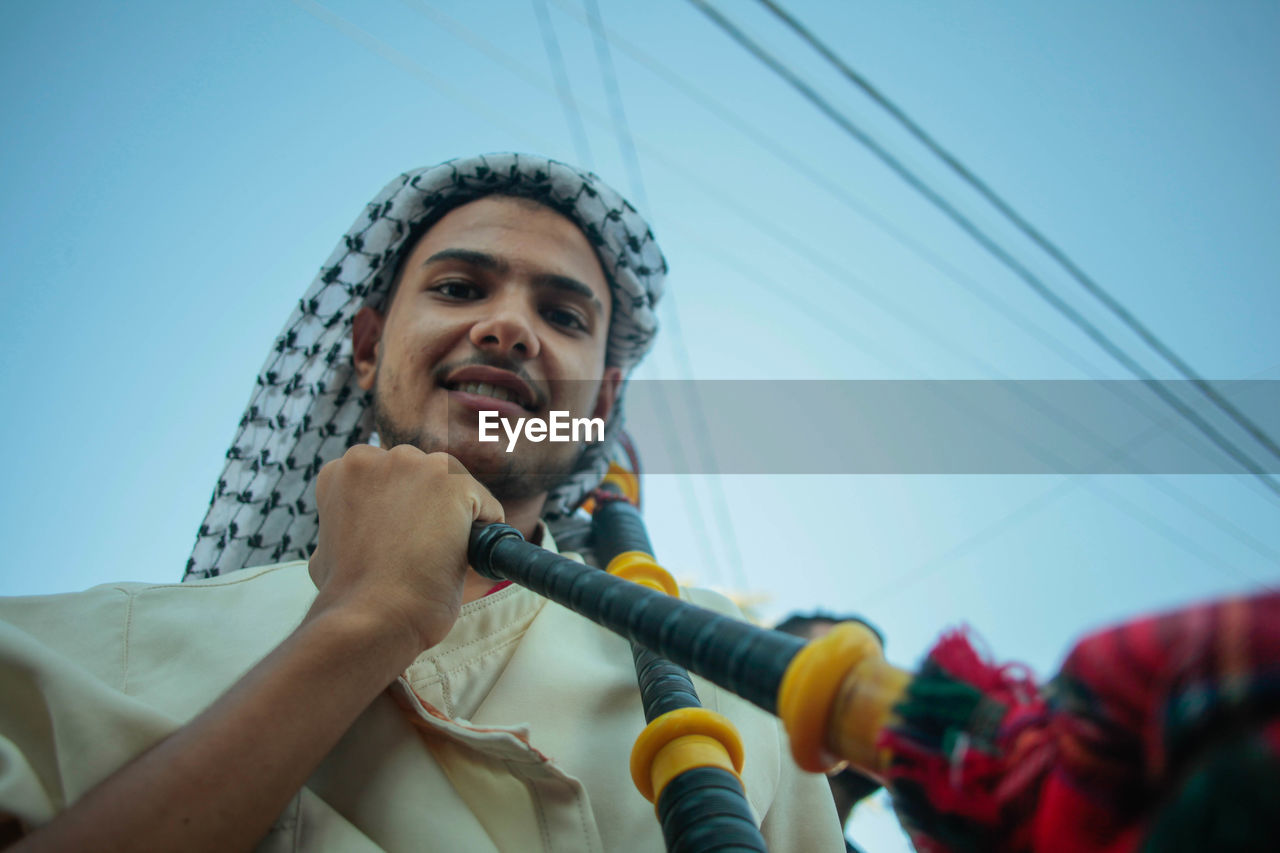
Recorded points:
(218,783)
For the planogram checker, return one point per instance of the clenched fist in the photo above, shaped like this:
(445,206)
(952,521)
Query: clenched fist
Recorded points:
(394,528)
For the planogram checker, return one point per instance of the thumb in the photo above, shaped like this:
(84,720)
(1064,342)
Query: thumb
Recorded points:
(485,507)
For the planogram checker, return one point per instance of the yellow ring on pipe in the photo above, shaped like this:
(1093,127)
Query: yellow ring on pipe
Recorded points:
(863,708)
(626,481)
(717,745)
(809,688)
(685,753)
(641,568)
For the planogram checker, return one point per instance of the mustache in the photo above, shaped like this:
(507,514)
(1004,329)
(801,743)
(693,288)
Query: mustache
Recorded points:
(541,394)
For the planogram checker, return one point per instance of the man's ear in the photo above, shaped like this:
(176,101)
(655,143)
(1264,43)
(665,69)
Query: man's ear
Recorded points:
(366,333)
(610,386)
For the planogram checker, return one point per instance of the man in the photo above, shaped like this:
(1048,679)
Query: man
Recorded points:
(848,786)
(381,695)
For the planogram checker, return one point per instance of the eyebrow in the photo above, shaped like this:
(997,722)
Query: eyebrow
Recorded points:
(468,256)
(492,263)
(569,285)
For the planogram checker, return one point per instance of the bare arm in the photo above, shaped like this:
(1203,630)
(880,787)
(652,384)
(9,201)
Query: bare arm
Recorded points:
(219,782)
(389,567)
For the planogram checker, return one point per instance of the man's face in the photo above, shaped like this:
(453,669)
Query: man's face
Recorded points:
(501,306)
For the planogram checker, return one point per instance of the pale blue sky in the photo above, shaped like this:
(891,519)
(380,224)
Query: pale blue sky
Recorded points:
(174,174)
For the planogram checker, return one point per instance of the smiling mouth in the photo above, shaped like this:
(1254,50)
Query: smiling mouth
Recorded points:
(485,389)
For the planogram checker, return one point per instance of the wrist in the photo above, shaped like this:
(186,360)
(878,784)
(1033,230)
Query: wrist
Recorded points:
(361,637)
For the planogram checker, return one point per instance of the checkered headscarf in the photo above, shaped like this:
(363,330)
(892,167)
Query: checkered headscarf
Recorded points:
(306,407)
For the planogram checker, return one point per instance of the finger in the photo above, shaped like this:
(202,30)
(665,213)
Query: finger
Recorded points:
(485,507)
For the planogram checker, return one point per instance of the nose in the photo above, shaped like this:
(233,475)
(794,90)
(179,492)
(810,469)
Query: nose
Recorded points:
(506,329)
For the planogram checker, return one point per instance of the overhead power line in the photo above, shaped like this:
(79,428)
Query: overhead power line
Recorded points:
(1034,234)
(823,181)
(983,239)
(833,321)
(567,103)
(405,63)
(622,129)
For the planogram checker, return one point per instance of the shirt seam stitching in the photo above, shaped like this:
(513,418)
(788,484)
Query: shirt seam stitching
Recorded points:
(530,617)
(128,632)
(584,822)
(249,575)
(443,673)
(543,829)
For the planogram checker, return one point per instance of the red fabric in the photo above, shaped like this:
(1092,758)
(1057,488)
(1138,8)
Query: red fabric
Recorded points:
(497,587)
(983,760)
(1138,697)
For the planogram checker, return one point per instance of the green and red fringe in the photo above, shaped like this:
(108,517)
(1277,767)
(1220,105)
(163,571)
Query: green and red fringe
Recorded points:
(1161,734)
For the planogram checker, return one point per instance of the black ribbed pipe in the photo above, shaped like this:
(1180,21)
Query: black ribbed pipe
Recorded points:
(616,527)
(743,659)
(704,810)
(664,686)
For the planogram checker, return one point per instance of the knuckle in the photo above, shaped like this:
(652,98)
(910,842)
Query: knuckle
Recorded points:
(361,457)
(404,450)
(440,463)
(326,473)
(363,451)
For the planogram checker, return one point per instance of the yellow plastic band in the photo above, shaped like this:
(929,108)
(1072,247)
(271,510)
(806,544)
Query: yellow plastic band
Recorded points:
(810,686)
(685,753)
(626,481)
(863,707)
(639,567)
(696,737)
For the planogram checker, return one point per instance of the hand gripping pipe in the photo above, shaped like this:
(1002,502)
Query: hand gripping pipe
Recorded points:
(688,759)
(835,695)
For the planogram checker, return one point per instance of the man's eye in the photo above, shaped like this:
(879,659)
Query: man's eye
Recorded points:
(455,289)
(565,318)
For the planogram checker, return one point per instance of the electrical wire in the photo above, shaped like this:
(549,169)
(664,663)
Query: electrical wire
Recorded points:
(626,142)
(1037,333)
(555,59)
(969,227)
(798,164)
(522,71)
(621,129)
(1037,504)
(413,68)
(824,182)
(1034,234)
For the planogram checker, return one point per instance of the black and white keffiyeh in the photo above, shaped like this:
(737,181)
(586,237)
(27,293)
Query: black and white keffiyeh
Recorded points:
(306,407)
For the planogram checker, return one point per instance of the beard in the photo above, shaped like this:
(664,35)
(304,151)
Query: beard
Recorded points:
(513,479)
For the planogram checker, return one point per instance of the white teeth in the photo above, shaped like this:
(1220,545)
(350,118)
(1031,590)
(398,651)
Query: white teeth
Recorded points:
(484,389)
